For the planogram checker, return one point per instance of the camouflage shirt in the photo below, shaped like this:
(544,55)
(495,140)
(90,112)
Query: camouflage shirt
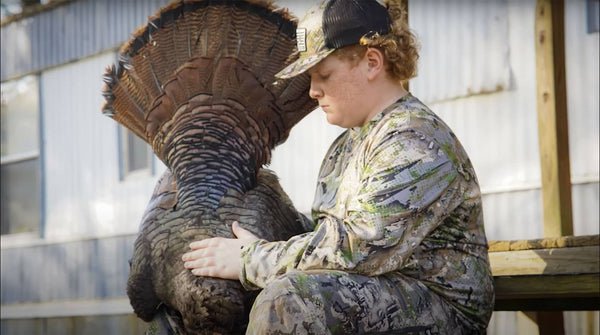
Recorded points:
(397,195)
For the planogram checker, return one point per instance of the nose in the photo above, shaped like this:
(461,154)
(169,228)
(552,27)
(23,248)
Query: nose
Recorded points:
(314,92)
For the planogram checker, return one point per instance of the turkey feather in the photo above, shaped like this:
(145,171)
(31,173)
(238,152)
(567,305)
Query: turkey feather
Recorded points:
(197,84)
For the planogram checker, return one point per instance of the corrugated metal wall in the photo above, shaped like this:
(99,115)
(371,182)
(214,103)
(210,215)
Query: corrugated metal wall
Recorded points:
(465,48)
(477,71)
(66,33)
(583,102)
(85,269)
(84,196)
(499,130)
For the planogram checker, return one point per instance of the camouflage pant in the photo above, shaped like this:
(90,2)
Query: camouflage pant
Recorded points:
(332,302)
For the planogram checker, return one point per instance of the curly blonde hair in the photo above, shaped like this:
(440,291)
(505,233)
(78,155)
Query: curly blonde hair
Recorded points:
(399,47)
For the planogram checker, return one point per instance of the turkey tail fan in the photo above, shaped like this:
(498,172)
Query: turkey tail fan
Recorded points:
(171,60)
(197,84)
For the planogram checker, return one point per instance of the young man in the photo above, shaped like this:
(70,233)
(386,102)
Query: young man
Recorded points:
(399,245)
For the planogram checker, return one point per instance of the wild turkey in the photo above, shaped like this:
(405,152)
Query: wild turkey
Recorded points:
(197,83)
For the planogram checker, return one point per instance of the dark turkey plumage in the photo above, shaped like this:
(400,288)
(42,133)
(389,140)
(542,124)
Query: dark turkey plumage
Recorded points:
(197,83)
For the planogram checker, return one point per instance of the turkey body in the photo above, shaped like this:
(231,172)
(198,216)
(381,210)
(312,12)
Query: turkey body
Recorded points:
(197,84)
(213,180)
(206,305)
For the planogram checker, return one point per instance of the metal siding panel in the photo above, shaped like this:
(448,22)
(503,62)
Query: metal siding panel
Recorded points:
(85,197)
(55,27)
(87,269)
(78,263)
(126,253)
(87,22)
(72,102)
(133,18)
(119,11)
(499,131)
(59,49)
(586,215)
(8,60)
(11,272)
(587,322)
(46,41)
(144,10)
(58,326)
(70,32)
(4,55)
(73,37)
(482,27)
(101,24)
(55,260)
(29,327)
(116,10)
(40,52)
(583,101)
(107,270)
(513,215)
(503,323)
(17,57)
(34,30)
(32,284)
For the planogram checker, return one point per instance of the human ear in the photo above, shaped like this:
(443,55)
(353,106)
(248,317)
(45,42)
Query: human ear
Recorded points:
(375,63)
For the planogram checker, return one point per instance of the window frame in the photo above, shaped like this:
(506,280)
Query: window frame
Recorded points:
(125,174)
(593,19)
(29,155)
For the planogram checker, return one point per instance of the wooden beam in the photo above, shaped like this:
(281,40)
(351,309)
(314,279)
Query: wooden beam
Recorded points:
(546,287)
(534,305)
(551,323)
(552,117)
(545,243)
(553,134)
(548,292)
(546,261)
(551,274)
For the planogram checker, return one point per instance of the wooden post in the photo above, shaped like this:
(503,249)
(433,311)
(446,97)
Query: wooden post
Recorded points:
(553,133)
(527,323)
(552,117)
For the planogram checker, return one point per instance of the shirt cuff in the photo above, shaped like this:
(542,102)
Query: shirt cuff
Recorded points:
(246,262)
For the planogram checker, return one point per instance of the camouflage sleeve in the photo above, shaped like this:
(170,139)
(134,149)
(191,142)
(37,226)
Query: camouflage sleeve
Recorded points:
(405,187)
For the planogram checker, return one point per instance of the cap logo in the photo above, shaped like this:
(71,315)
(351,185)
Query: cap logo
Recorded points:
(301,39)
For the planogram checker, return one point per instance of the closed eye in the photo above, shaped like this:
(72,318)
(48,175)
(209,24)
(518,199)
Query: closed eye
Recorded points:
(324,76)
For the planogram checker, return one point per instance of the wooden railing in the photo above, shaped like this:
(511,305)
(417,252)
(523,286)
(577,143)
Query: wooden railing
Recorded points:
(553,274)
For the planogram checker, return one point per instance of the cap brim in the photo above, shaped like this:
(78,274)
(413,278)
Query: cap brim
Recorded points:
(302,64)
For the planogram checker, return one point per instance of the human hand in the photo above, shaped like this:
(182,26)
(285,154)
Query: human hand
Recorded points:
(218,257)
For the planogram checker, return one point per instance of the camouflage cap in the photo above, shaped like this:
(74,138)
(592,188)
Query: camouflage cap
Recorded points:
(334,24)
